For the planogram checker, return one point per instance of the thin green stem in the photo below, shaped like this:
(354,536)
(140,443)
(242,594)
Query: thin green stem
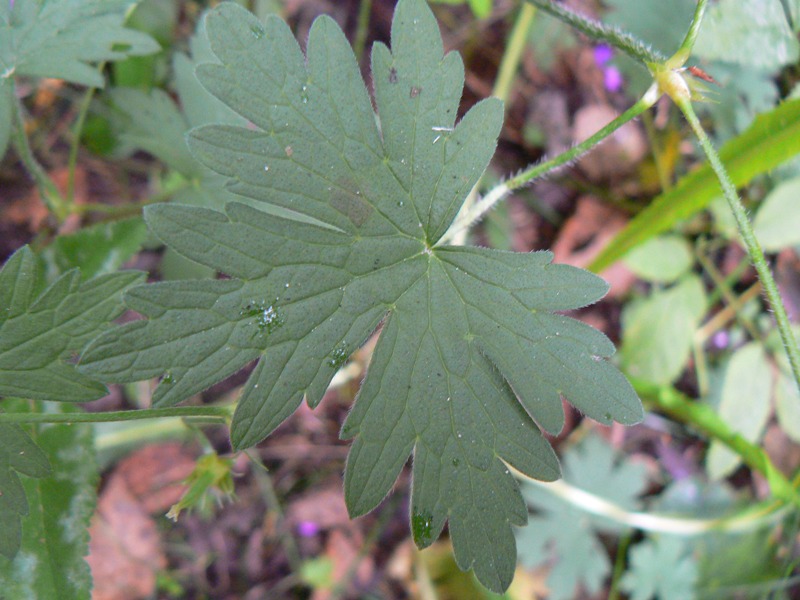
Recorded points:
(619,565)
(50,194)
(748,237)
(83,111)
(215,413)
(264,480)
(509,66)
(576,151)
(705,419)
(362,27)
(513,52)
(469,217)
(597,31)
(682,55)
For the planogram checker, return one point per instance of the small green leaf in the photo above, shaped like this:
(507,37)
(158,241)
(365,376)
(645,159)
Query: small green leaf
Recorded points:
(773,138)
(97,249)
(42,331)
(661,259)
(18,454)
(55,538)
(658,331)
(660,568)
(748,32)
(777,223)
(745,404)
(471,355)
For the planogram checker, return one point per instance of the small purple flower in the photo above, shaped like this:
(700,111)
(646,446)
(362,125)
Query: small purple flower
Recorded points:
(307,528)
(720,339)
(602,54)
(612,78)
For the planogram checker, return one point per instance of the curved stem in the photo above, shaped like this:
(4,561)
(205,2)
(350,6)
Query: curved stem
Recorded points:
(469,217)
(747,520)
(703,418)
(748,237)
(214,412)
(50,194)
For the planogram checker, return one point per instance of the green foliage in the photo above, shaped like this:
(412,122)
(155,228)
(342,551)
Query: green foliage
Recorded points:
(60,39)
(744,404)
(748,32)
(97,249)
(658,330)
(368,201)
(660,568)
(661,259)
(55,535)
(777,223)
(568,536)
(772,139)
(18,454)
(42,330)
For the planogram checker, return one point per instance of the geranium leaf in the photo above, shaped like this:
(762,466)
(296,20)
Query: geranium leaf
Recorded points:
(60,39)
(41,330)
(470,356)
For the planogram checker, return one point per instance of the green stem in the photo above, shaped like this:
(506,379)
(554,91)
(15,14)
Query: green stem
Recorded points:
(619,565)
(362,27)
(469,217)
(748,237)
(681,56)
(50,194)
(83,111)
(213,412)
(703,418)
(597,31)
(513,52)
(502,87)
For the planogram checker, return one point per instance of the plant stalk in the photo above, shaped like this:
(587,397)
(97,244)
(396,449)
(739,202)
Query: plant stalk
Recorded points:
(748,237)
(476,212)
(215,413)
(705,419)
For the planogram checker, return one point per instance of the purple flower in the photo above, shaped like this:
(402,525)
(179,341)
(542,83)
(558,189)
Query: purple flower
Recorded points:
(612,78)
(602,54)
(307,528)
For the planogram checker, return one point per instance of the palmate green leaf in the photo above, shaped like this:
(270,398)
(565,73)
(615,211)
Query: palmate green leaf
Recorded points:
(567,537)
(18,454)
(60,39)
(661,568)
(55,538)
(42,330)
(460,327)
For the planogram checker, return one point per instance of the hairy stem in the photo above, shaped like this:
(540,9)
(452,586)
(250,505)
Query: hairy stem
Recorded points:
(468,218)
(748,237)
(598,31)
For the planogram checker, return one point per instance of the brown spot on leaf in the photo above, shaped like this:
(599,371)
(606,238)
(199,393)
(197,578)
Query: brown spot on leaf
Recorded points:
(392,75)
(415,91)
